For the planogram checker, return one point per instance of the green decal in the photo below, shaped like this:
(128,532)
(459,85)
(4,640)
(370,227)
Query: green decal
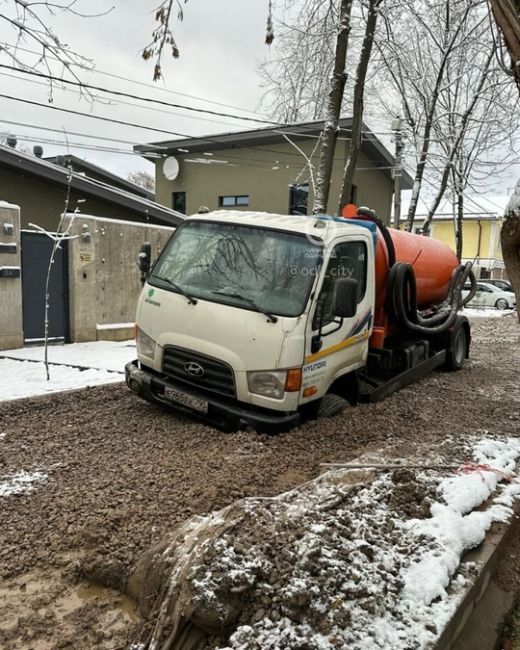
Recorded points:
(151,292)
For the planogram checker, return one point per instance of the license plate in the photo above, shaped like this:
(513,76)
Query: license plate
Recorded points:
(190,401)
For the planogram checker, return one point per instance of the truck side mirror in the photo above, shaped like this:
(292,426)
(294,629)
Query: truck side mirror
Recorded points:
(345,297)
(144,260)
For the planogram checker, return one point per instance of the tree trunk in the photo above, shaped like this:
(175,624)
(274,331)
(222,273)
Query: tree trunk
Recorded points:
(510,240)
(358,104)
(333,110)
(507,17)
(460,217)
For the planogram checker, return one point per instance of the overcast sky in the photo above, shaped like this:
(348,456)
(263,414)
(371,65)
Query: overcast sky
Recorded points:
(221,43)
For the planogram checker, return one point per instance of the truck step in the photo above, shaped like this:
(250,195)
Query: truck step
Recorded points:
(386,388)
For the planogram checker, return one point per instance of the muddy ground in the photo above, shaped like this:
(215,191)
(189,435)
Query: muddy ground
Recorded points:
(121,473)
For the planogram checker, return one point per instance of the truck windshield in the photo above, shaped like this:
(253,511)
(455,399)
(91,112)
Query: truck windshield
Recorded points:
(248,267)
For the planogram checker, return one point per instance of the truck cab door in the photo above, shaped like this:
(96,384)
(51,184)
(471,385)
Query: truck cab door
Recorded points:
(335,346)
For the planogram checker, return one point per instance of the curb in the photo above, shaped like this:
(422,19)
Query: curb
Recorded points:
(479,618)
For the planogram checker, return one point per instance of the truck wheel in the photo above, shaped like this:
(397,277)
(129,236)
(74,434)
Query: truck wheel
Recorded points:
(331,404)
(456,351)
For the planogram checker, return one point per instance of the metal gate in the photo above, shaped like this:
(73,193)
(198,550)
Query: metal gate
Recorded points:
(36,254)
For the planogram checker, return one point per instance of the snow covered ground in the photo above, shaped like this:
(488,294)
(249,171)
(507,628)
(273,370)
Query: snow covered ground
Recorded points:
(75,365)
(490,312)
(330,567)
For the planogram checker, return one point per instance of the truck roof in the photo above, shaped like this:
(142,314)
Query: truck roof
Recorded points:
(323,226)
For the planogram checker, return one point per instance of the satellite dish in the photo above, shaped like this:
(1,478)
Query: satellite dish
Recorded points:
(171,168)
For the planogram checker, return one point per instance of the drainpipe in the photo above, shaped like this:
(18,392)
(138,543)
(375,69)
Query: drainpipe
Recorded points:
(479,240)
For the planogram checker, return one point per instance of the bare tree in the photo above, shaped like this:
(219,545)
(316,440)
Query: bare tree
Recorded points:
(507,17)
(295,80)
(418,42)
(458,119)
(358,102)
(143,179)
(333,109)
(29,24)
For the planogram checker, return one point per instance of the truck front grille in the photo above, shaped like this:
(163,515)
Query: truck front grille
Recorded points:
(199,371)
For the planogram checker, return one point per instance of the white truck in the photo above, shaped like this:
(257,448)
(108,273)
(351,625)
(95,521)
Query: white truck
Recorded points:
(262,320)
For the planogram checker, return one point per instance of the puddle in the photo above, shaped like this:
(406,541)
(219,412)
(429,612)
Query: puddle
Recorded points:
(119,601)
(30,601)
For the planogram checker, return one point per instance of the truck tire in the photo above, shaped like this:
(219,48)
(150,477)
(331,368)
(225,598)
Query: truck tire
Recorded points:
(331,404)
(456,349)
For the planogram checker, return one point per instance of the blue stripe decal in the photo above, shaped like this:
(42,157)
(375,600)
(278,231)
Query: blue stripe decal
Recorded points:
(359,326)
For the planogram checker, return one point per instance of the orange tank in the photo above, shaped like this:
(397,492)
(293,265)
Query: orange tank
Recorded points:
(433,263)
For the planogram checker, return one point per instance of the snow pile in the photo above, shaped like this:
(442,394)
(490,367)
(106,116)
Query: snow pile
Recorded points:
(101,355)
(27,379)
(350,560)
(455,525)
(72,366)
(20,482)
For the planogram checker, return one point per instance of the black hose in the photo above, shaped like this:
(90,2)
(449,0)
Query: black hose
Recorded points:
(371,216)
(402,299)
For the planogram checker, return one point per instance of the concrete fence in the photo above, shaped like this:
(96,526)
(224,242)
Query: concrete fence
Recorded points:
(103,276)
(11,330)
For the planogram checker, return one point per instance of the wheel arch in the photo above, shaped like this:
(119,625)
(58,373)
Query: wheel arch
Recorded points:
(347,386)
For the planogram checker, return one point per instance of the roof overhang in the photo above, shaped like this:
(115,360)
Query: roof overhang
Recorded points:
(38,168)
(371,145)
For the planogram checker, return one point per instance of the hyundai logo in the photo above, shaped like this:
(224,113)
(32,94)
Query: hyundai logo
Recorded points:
(194,369)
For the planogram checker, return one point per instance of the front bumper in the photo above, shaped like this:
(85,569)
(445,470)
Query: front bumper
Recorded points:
(227,415)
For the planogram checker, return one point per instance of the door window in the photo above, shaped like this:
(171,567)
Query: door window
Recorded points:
(347,260)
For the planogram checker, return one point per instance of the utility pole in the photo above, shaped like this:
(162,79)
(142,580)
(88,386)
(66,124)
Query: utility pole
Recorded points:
(398,169)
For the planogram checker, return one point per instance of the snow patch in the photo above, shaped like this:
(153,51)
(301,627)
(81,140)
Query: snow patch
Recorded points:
(20,482)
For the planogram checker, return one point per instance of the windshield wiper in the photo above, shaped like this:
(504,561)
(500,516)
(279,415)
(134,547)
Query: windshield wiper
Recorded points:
(191,299)
(253,304)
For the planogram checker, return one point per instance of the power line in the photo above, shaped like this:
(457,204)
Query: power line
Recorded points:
(94,117)
(209,140)
(67,132)
(78,145)
(96,70)
(117,102)
(120,93)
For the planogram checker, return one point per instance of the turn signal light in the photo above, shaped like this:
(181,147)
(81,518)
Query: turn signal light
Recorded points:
(293,380)
(311,390)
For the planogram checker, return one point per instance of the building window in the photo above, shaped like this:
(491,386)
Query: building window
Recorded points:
(298,198)
(231,201)
(179,202)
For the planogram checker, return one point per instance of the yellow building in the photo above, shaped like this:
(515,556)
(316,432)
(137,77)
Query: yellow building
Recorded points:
(480,241)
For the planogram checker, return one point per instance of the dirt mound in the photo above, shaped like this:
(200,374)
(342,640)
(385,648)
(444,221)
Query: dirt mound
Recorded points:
(304,570)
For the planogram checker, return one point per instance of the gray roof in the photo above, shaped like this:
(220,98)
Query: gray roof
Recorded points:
(110,178)
(57,175)
(371,145)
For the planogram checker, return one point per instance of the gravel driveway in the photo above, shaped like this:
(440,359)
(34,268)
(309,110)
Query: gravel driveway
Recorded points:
(115,474)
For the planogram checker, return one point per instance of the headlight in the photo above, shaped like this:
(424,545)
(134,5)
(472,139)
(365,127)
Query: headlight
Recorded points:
(145,344)
(269,383)
(273,383)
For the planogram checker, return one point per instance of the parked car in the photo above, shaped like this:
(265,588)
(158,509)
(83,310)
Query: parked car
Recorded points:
(501,284)
(488,295)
